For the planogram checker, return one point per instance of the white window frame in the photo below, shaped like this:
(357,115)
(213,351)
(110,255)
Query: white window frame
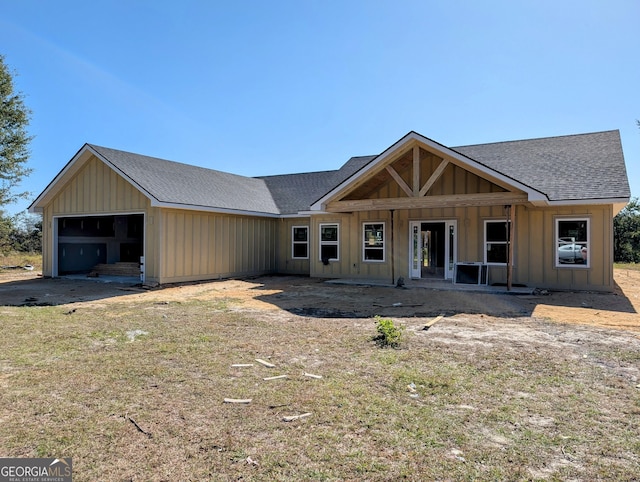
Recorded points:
(295,243)
(366,245)
(486,243)
(335,243)
(559,242)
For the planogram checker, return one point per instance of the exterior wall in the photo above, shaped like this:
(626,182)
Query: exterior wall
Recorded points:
(185,245)
(199,246)
(534,244)
(287,264)
(351,263)
(95,190)
(535,247)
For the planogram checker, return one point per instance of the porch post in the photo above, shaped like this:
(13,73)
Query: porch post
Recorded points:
(393,272)
(511,216)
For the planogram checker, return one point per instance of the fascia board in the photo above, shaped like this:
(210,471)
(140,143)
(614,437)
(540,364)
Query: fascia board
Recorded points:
(615,202)
(210,209)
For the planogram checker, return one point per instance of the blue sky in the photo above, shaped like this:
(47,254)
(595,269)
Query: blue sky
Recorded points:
(272,87)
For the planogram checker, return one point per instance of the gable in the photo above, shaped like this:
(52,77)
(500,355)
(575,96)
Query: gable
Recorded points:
(95,187)
(396,179)
(419,173)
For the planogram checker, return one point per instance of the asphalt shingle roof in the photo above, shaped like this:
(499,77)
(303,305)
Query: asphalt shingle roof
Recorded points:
(566,168)
(296,192)
(177,183)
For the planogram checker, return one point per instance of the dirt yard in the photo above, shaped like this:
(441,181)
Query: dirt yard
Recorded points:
(303,296)
(502,387)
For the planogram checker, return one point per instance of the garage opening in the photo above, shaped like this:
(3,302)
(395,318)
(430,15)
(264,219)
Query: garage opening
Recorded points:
(100,245)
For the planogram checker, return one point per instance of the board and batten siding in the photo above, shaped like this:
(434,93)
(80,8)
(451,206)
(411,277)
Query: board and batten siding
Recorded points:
(287,264)
(534,244)
(199,246)
(97,189)
(94,190)
(350,251)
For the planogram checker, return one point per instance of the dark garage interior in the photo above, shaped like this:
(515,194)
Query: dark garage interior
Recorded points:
(98,244)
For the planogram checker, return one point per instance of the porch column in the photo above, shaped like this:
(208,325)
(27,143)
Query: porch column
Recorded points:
(511,216)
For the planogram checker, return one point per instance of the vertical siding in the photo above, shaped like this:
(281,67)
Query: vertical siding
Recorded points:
(94,190)
(286,264)
(198,246)
(97,189)
(534,244)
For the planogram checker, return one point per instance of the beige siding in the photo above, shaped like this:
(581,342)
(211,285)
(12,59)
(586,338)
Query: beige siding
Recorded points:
(287,264)
(198,246)
(351,263)
(96,190)
(534,244)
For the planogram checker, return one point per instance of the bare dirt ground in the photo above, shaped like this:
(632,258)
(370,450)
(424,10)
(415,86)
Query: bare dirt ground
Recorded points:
(514,387)
(287,295)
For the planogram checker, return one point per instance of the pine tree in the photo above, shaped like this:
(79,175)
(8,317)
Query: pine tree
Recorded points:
(14,139)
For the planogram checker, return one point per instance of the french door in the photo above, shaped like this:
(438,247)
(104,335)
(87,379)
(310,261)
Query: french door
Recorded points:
(433,249)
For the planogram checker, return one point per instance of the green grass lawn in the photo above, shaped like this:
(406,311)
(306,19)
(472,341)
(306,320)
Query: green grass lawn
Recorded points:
(149,404)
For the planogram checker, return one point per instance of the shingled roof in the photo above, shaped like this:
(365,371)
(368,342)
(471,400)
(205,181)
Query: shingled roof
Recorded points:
(295,192)
(576,168)
(566,168)
(178,184)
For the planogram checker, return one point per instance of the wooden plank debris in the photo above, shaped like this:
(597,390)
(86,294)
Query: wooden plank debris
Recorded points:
(237,400)
(277,377)
(311,375)
(291,418)
(433,322)
(242,365)
(265,363)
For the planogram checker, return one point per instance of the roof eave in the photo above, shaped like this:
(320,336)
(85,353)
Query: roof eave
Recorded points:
(213,209)
(617,203)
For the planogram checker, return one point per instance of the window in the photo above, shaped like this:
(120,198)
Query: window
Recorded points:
(496,242)
(572,243)
(329,238)
(300,242)
(373,240)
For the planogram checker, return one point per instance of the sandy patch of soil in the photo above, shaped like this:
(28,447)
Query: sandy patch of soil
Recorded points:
(312,297)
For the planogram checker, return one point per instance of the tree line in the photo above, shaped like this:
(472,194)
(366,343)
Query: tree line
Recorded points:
(20,233)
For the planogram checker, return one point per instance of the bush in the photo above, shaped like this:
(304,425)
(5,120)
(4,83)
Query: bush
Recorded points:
(389,335)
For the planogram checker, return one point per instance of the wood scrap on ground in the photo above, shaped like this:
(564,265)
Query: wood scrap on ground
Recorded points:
(432,322)
(242,365)
(291,418)
(237,400)
(265,363)
(311,375)
(277,377)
